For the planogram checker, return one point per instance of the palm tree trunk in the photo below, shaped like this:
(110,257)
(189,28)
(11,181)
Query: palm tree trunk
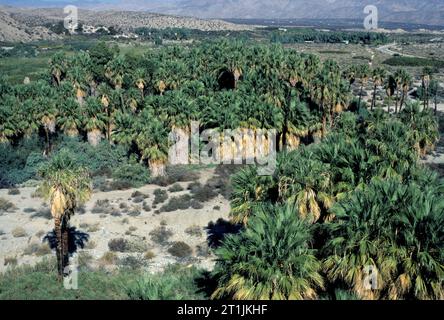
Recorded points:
(424,98)
(360,97)
(397,101)
(65,243)
(59,248)
(436,103)
(374,98)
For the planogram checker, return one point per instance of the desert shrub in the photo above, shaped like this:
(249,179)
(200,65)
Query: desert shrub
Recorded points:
(135,174)
(37,249)
(135,211)
(125,220)
(115,213)
(193,186)
(217,208)
(6,206)
(29,210)
(43,212)
(194,230)
(177,203)
(132,228)
(132,262)
(180,249)
(138,199)
(175,283)
(176,174)
(146,207)
(119,185)
(10,261)
(84,259)
(160,196)
(19,232)
(161,235)
(93,228)
(108,257)
(196,205)
(149,255)
(123,205)
(118,245)
(175,188)
(13,191)
(2,233)
(90,245)
(163,222)
(102,206)
(203,193)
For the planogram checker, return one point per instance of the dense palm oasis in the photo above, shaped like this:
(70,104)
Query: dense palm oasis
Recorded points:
(348,194)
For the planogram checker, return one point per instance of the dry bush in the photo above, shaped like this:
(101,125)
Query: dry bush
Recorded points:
(194,230)
(161,235)
(19,232)
(180,249)
(10,261)
(149,255)
(6,206)
(13,191)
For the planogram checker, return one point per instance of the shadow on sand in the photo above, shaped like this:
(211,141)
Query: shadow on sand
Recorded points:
(77,239)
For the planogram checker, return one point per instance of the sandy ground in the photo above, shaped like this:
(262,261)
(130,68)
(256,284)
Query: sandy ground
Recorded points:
(110,227)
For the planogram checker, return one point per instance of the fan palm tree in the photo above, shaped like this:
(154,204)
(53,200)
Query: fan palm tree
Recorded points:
(58,66)
(378,76)
(271,260)
(425,79)
(66,186)
(363,74)
(94,120)
(396,229)
(70,119)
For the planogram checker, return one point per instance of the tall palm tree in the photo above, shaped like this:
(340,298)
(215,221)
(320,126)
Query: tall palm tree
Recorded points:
(363,74)
(425,79)
(271,260)
(66,186)
(378,76)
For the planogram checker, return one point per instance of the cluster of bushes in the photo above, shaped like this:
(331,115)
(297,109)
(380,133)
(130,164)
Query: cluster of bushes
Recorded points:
(108,164)
(302,35)
(414,62)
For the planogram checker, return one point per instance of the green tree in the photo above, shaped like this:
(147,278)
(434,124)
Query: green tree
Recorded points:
(271,260)
(65,186)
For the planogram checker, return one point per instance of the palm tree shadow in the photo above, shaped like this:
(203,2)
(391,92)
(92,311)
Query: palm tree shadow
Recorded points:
(216,231)
(76,239)
(206,283)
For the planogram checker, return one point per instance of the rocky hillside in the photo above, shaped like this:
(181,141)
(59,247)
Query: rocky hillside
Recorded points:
(12,30)
(19,24)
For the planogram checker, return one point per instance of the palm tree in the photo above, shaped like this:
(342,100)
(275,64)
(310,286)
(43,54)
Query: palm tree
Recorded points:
(115,71)
(70,119)
(66,186)
(270,260)
(140,80)
(395,228)
(406,81)
(152,142)
(58,66)
(379,75)
(425,79)
(363,73)
(94,120)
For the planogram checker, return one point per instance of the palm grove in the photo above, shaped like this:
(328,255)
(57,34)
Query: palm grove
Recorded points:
(348,193)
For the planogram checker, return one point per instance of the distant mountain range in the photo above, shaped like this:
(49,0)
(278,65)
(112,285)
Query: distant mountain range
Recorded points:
(429,12)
